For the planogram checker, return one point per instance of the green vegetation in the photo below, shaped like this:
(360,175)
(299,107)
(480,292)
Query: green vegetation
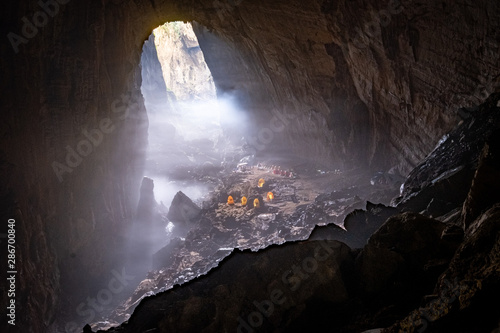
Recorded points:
(171,28)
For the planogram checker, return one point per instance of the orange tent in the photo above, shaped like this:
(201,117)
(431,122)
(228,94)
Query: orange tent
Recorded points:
(256,203)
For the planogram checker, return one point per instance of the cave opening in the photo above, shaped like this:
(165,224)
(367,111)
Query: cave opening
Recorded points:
(186,142)
(209,141)
(222,170)
(324,94)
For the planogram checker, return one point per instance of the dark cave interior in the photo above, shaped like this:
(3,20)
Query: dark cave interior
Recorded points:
(250,166)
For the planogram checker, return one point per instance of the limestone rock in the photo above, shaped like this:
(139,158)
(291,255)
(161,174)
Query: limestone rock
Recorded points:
(183,210)
(485,189)
(349,87)
(329,232)
(247,286)
(361,224)
(440,183)
(405,254)
(147,208)
(183,66)
(466,294)
(153,86)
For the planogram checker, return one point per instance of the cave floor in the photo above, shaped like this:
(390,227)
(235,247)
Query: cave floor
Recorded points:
(289,192)
(310,198)
(302,189)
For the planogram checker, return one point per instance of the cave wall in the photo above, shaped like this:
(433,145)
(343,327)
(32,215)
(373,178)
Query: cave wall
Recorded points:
(69,77)
(377,83)
(358,83)
(414,64)
(185,72)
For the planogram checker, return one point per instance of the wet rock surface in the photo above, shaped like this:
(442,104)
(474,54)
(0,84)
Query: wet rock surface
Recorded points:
(441,181)
(484,190)
(464,299)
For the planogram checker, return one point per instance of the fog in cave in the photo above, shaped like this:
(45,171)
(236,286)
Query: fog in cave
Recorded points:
(282,166)
(187,147)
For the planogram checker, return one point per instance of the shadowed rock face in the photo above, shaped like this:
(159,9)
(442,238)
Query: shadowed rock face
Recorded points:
(463,299)
(324,285)
(318,284)
(316,270)
(483,192)
(182,209)
(442,180)
(147,206)
(407,244)
(348,92)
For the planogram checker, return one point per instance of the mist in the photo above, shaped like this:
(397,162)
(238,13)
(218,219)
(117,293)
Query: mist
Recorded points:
(187,146)
(205,144)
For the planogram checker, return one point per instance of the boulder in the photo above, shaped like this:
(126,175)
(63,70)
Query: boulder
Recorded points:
(441,182)
(485,188)
(466,295)
(329,232)
(183,210)
(361,224)
(265,292)
(441,195)
(403,259)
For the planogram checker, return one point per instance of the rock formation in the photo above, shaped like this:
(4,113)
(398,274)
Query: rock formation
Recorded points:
(364,84)
(404,271)
(185,72)
(153,87)
(147,206)
(483,192)
(183,210)
(463,299)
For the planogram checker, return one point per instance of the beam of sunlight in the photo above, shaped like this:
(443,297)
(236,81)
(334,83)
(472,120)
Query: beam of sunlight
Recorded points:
(187,118)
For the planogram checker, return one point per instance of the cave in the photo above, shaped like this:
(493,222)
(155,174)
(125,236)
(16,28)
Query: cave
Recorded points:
(184,131)
(347,179)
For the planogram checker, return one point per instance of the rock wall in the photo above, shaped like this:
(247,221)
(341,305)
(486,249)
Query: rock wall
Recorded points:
(153,87)
(185,72)
(348,83)
(376,83)
(71,110)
